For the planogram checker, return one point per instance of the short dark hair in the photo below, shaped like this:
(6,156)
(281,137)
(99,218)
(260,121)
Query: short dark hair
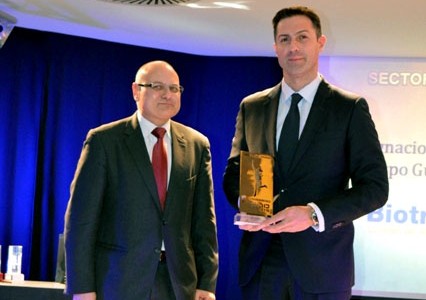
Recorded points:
(297,11)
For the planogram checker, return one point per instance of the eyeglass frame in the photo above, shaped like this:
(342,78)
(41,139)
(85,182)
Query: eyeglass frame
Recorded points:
(162,86)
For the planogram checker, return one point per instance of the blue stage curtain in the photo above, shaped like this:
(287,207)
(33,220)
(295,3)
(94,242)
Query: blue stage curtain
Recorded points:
(54,88)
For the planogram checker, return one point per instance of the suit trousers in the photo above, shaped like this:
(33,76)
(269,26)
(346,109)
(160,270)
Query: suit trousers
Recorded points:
(162,289)
(274,281)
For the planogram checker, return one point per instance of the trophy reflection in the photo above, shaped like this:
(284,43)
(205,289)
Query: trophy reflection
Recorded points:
(256,188)
(14,264)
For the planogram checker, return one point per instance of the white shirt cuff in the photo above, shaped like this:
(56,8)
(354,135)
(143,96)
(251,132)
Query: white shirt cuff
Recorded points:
(321,223)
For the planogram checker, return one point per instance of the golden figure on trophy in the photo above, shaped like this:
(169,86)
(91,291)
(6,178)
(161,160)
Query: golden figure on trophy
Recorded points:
(256,188)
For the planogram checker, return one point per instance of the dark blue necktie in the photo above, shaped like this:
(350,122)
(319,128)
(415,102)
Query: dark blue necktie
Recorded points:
(289,136)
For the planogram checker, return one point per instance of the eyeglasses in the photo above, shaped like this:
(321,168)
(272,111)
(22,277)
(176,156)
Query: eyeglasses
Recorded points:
(161,87)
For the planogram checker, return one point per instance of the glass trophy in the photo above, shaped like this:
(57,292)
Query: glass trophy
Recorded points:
(256,188)
(14,264)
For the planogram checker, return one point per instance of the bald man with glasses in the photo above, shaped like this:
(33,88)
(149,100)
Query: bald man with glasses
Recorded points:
(140,222)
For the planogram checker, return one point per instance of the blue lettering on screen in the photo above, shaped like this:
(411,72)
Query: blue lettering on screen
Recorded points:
(389,215)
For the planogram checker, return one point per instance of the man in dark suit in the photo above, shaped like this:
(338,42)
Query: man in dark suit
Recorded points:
(336,174)
(121,243)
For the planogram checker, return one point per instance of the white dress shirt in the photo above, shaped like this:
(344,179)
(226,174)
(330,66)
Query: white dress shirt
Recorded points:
(308,94)
(150,140)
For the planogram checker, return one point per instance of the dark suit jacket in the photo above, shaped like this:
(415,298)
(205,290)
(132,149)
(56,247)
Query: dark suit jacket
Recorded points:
(114,226)
(339,143)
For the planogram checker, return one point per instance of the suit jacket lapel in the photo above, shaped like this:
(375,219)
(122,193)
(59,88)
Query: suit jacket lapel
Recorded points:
(316,116)
(270,119)
(179,145)
(137,147)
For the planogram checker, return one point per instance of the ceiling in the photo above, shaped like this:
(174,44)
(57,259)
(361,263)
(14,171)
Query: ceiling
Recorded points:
(386,28)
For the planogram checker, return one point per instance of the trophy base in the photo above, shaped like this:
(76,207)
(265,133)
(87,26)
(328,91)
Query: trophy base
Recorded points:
(14,277)
(245,219)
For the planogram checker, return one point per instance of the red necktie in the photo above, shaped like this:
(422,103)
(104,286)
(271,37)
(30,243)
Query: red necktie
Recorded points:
(159,164)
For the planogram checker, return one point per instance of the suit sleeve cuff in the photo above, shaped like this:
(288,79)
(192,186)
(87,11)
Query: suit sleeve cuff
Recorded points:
(321,223)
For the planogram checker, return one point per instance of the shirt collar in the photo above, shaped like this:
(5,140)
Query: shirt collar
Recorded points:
(308,92)
(147,127)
